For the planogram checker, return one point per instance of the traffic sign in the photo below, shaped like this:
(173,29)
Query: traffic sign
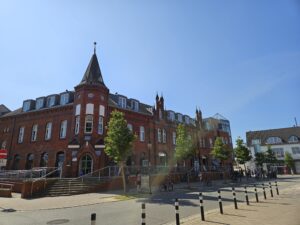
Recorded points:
(3,154)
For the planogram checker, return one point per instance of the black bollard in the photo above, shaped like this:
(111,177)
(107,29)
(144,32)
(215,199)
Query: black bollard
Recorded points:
(177,211)
(143,214)
(220,202)
(263,186)
(271,191)
(234,198)
(201,206)
(277,190)
(93,219)
(246,195)
(256,195)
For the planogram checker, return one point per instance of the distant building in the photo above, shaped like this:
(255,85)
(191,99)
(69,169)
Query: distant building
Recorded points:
(280,140)
(68,129)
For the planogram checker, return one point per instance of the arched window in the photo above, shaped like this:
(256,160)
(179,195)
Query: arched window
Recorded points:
(60,158)
(48,131)
(16,162)
(293,139)
(21,135)
(142,133)
(63,129)
(129,126)
(88,124)
(164,136)
(273,140)
(159,135)
(34,132)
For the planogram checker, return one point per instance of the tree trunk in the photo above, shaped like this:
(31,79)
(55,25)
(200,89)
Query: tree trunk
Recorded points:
(123,176)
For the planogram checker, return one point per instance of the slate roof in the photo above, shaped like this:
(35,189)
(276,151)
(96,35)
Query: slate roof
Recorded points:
(3,109)
(263,135)
(93,74)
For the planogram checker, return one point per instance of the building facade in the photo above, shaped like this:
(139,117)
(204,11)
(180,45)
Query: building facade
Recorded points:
(280,140)
(67,130)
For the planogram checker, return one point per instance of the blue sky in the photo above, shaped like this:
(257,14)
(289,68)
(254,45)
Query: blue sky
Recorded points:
(237,58)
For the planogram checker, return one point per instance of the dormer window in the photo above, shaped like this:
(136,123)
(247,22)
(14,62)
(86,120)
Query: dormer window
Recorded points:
(122,102)
(135,105)
(179,118)
(187,119)
(293,139)
(51,101)
(26,106)
(64,98)
(274,140)
(40,103)
(171,116)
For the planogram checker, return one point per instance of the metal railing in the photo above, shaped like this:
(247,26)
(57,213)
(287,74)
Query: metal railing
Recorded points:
(2,185)
(25,174)
(56,172)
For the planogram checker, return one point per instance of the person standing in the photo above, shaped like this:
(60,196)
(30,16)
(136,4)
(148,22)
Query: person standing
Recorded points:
(138,181)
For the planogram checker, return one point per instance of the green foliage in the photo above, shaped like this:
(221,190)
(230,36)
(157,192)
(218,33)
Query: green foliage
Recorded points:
(270,156)
(220,150)
(184,146)
(242,153)
(260,158)
(119,139)
(288,160)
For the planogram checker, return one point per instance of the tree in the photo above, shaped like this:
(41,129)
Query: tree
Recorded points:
(118,142)
(289,161)
(260,158)
(242,153)
(184,145)
(270,156)
(220,151)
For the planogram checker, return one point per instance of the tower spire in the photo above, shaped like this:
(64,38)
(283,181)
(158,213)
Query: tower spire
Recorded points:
(95,44)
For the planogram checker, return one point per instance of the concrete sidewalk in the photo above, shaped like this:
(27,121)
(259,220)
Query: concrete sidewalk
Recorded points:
(280,210)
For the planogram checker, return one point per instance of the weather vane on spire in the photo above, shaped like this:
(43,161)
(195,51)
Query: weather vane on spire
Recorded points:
(95,43)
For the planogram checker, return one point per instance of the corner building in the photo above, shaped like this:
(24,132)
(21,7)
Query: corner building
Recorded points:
(67,130)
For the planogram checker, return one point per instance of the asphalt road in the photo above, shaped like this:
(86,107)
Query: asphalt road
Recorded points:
(159,207)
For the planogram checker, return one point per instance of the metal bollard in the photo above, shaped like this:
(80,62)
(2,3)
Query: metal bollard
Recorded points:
(220,202)
(256,195)
(246,195)
(234,198)
(177,211)
(201,206)
(277,190)
(271,191)
(93,219)
(263,186)
(143,214)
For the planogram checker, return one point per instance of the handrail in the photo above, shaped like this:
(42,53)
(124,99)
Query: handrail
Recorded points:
(44,177)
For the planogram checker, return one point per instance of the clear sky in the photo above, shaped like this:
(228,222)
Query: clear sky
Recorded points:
(237,58)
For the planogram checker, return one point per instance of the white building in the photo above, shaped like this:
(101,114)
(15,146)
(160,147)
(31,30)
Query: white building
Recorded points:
(281,140)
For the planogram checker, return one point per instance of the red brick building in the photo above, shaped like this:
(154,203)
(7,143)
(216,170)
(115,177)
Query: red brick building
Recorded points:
(68,129)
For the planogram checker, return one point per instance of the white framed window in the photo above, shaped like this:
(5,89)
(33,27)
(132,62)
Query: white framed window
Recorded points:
(64,98)
(77,110)
(160,114)
(159,135)
(142,133)
(100,125)
(293,139)
(129,126)
(21,135)
(39,103)
(34,132)
(171,116)
(88,128)
(187,119)
(273,140)
(135,105)
(89,109)
(174,137)
(279,153)
(63,129)
(122,102)
(48,131)
(77,124)
(210,142)
(296,150)
(179,118)
(101,110)
(164,136)
(255,142)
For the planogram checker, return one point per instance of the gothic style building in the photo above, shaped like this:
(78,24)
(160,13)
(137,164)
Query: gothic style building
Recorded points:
(67,130)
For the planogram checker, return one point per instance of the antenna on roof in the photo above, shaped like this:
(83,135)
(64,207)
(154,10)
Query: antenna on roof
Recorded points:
(296,122)
(95,43)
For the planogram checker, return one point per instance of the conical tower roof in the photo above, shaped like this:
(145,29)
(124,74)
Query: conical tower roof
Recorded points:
(93,74)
